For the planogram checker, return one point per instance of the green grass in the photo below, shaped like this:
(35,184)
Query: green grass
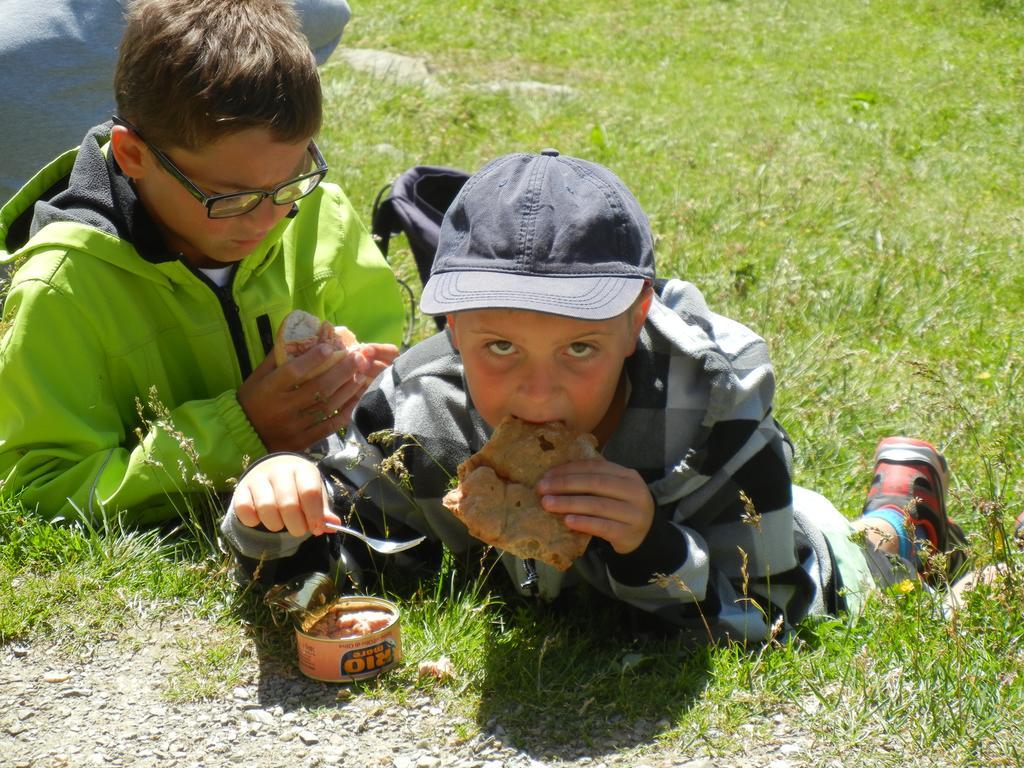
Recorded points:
(844,177)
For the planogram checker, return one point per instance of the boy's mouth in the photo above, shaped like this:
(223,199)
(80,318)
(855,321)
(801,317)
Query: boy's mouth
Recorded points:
(540,421)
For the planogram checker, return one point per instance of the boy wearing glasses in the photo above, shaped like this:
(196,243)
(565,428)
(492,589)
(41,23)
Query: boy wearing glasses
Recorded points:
(156,262)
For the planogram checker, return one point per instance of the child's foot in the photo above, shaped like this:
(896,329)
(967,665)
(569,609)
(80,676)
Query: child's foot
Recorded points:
(956,596)
(909,491)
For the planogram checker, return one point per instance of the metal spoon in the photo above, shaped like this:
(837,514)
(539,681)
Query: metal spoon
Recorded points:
(378,545)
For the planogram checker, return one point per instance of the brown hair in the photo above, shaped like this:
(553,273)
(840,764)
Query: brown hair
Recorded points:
(190,72)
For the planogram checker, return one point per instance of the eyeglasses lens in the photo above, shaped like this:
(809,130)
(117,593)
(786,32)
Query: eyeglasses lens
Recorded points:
(235,205)
(295,190)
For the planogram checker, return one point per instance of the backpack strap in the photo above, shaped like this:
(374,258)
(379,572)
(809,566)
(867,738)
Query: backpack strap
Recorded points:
(383,222)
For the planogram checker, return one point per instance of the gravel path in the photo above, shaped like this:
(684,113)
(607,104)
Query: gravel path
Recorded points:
(107,706)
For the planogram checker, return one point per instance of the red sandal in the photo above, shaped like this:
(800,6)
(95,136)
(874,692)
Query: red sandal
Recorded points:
(911,477)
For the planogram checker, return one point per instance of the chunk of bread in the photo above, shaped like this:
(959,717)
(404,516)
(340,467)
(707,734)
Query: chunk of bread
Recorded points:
(497,498)
(300,331)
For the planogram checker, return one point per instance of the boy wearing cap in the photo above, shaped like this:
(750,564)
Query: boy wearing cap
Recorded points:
(156,263)
(545,271)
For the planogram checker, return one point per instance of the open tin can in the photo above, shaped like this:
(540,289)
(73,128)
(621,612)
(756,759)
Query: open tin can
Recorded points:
(341,639)
(369,642)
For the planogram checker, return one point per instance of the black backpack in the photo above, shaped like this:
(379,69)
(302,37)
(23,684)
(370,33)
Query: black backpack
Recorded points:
(414,205)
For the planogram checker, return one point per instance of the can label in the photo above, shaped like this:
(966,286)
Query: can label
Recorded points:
(371,660)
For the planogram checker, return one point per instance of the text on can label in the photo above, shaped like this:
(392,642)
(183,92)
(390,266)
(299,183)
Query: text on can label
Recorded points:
(368,659)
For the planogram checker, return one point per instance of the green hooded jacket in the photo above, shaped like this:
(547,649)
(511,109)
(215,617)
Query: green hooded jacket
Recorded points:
(119,363)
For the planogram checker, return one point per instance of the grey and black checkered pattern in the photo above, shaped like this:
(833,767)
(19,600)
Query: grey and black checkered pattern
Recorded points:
(698,427)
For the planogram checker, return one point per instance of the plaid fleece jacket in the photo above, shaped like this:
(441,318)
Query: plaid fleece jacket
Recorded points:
(698,427)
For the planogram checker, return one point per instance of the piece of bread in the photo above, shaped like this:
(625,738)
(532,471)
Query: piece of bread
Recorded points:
(300,331)
(497,499)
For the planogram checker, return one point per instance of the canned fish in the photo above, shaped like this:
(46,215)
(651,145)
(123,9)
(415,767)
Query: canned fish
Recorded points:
(353,638)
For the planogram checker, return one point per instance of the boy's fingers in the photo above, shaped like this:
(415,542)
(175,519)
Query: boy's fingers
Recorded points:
(317,356)
(287,504)
(328,407)
(245,509)
(602,527)
(345,412)
(312,498)
(596,466)
(328,385)
(375,368)
(590,506)
(347,395)
(576,470)
(302,370)
(323,424)
(265,368)
(381,353)
(613,522)
(592,483)
(265,502)
(290,414)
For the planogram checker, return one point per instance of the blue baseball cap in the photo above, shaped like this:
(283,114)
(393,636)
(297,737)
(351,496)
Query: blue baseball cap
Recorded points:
(541,232)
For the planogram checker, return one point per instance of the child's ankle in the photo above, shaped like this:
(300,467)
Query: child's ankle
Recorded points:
(886,530)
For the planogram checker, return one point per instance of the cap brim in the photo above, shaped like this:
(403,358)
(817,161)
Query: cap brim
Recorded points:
(586,298)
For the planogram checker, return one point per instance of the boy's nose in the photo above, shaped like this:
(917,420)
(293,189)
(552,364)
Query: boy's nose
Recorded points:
(266,214)
(539,383)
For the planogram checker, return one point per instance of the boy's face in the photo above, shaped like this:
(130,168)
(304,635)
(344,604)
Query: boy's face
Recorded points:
(544,368)
(248,160)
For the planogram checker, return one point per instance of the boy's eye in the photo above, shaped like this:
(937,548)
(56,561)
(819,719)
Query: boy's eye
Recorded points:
(501,347)
(580,349)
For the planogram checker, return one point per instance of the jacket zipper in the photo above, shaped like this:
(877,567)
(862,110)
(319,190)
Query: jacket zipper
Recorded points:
(234,319)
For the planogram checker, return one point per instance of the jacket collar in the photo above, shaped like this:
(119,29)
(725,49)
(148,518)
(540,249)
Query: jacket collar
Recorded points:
(100,196)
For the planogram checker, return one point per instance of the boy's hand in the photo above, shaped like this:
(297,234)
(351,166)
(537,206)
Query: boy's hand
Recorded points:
(290,413)
(600,498)
(284,492)
(380,357)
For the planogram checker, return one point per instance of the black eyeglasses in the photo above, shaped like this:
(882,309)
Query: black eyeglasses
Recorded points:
(238,203)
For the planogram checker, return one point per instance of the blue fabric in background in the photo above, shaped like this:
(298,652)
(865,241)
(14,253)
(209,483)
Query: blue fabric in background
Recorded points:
(57,60)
